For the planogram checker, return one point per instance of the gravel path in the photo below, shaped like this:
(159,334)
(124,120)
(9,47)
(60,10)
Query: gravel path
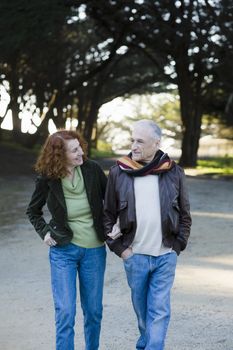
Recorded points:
(202,298)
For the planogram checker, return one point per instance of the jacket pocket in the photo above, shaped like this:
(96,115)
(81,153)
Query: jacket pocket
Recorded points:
(174,216)
(122,205)
(61,236)
(175,204)
(123,214)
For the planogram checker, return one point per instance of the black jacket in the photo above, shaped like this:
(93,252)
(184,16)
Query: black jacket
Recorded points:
(175,209)
(50,191)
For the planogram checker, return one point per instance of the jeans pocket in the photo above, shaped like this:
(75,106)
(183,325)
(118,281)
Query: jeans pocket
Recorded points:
(173,257)
(128,257)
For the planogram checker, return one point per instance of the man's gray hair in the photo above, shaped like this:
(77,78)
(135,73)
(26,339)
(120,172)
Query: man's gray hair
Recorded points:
(156,131)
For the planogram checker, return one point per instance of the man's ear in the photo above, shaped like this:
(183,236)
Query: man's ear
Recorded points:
(157,143)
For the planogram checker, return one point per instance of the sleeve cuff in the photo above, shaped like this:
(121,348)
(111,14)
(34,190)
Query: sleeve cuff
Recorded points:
(177,247)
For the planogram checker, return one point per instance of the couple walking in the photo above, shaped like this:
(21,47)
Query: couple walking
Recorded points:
(141,211)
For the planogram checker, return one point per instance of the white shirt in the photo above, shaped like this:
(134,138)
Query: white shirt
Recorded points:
(148,237)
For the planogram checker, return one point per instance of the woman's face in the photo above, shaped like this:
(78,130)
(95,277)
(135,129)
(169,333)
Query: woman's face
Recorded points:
(74,153)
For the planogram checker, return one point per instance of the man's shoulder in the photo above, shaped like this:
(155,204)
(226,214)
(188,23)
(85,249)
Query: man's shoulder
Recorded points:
(176,171)
(114,169)
(177,167)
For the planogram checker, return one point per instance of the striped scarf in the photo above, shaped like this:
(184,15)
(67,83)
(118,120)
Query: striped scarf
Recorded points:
(160,164)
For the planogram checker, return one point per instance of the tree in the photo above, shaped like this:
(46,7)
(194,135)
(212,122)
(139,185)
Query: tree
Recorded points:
(90,52)
(25,33)
(162,108)
(69,65)
(184,40)
(108,70)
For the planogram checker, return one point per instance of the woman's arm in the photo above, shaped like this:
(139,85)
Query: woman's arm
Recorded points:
(37,202)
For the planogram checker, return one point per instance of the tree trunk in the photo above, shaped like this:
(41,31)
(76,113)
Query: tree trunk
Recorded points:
(95,138)
(59,121)
(90,123)
(191,116)
(14,107)
(190,144)
(88,113)
(191,113)
(17,133)
(83,112)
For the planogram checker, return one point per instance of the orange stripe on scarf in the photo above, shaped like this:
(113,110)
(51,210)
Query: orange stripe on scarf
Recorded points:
(130,163)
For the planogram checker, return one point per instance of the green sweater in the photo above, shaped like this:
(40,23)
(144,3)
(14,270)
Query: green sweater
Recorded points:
(79,214)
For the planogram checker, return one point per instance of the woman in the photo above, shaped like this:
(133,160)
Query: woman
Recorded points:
(73,188)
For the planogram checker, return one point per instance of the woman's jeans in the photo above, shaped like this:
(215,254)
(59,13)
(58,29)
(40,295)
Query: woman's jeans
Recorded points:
(150,279)
(89,263)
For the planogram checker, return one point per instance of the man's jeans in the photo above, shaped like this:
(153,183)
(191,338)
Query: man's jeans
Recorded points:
(150,279)
(89,263)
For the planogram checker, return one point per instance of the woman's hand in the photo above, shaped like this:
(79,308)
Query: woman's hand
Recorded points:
(127,253)
(116,231)
(49,240)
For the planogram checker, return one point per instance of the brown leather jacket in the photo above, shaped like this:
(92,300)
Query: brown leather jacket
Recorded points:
(174,202)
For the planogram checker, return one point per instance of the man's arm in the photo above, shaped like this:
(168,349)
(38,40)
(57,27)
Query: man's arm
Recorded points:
(111,214)
(185,217)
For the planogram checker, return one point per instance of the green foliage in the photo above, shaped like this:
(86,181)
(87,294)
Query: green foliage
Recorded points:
(162,108)
(189,43)
(72,62)
(104,146)
(19,148)
(220,165)
(104,150)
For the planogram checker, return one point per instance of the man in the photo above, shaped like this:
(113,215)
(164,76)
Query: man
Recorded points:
(147,195)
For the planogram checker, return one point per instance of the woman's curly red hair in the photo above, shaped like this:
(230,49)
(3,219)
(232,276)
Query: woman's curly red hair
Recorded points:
(52,161)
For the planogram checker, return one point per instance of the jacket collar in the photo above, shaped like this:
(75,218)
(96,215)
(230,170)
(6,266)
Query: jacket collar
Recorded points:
(56,186)
(88,178)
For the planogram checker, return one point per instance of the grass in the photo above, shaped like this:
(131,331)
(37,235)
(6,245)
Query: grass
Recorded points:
(35,150)
(101,154)
(212,166)
(17,147)
(215,166)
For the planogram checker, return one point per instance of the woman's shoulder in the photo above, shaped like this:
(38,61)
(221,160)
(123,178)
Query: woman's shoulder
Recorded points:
(44,180)
(90,163)
(41,178)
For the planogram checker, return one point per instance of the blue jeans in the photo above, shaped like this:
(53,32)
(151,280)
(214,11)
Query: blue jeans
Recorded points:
(150,279)
(89,263)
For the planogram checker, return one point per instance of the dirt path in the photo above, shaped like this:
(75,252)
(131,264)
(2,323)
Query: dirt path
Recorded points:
(202,299)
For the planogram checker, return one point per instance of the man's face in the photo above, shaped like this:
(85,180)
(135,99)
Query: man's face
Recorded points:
(144,145)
